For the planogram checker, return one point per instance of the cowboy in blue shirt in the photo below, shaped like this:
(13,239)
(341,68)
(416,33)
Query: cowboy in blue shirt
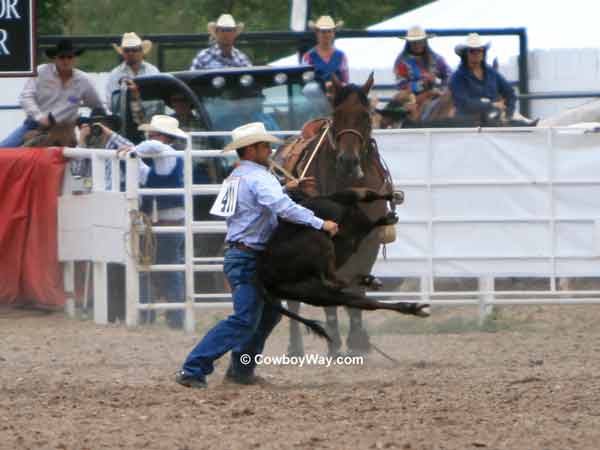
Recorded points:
(256,201)
(477,89)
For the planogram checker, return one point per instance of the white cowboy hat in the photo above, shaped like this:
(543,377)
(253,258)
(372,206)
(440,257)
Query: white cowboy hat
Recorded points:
(132,40)
(473,41)
(249,134)
(416,33)
(325,23)
(165,125)
(225,21)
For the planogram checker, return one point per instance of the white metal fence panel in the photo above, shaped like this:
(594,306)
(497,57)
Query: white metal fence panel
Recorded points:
(494,202)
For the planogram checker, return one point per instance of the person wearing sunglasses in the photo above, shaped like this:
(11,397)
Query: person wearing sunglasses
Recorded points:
(324,57)
(423,73)
(133,51)
(222,53)
(479,92)
(55,95)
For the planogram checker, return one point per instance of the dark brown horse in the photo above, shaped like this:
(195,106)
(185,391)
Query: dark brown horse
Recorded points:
(58,135)
(341,154)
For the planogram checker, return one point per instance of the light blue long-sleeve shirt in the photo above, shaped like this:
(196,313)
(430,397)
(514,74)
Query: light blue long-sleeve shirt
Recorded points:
(260,201)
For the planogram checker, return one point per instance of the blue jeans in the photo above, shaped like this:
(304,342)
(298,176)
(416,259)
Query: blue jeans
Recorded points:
(161,286)
(17,137)
(243,332)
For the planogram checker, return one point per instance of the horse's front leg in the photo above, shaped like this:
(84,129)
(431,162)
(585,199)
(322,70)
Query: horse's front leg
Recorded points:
(296,344)
(333,330)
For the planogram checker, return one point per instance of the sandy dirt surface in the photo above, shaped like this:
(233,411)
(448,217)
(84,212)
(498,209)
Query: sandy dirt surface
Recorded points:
(529,380)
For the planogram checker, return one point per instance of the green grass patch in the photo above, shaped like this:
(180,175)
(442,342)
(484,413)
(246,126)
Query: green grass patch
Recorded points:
(446,323)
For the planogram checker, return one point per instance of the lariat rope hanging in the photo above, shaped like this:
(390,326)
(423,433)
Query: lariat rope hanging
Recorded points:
(325,132)
(146,254)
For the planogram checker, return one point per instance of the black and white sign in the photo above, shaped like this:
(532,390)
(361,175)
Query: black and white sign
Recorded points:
(17,38)
(224,205)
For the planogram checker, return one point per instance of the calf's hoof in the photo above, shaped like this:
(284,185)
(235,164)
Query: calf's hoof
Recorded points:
(422,309)
(391,219)
(414,309)
(398,197)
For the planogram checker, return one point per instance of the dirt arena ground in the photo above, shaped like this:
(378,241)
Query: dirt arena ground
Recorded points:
(530,379)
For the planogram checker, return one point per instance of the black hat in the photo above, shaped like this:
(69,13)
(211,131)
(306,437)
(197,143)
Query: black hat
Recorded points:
(99,115)
(64,47)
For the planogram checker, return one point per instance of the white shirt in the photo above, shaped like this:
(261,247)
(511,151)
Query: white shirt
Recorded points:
(124,71)
(162,166)
(46,93)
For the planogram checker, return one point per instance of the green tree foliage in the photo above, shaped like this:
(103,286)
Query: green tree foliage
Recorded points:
(51,16)
(111,17)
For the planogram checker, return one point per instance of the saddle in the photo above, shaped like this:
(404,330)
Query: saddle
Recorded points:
(288,154)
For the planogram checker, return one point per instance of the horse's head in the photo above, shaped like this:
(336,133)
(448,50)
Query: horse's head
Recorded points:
(351,128)
(59,135)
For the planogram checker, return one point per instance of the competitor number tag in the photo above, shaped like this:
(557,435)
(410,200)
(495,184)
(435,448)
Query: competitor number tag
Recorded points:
(224,205)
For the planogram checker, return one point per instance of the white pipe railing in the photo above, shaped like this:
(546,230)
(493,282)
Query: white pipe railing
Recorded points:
(485,296)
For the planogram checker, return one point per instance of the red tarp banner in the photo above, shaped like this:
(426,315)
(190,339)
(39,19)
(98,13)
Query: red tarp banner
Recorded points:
(30,182)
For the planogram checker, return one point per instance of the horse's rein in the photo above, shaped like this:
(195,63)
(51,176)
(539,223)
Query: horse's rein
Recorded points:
(273,165)
(325,132)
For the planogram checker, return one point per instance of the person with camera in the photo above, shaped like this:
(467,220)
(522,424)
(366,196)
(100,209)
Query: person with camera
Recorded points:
(422,72)
(96,131)
(55,95)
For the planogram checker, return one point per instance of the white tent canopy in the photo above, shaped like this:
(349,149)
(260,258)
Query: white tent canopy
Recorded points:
(550,24)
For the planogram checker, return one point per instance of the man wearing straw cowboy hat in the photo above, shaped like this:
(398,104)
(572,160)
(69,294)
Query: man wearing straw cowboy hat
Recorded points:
(421,71)
(224,32)
(167,210)
(324,57)
(133,50)
(56,94)
(251,200)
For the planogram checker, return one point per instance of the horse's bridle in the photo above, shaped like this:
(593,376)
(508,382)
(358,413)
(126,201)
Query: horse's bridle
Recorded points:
(350,131)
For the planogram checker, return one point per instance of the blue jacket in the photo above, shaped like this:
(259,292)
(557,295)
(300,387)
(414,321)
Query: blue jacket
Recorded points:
(467,91)
(173,180)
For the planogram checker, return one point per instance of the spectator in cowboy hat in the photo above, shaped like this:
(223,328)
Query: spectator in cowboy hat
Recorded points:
(422,72)
(479,91)
(133,50)
(223,53)
(56,94)
(324,57)
(164,210)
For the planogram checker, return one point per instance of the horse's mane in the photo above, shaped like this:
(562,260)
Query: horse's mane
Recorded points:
(346,91)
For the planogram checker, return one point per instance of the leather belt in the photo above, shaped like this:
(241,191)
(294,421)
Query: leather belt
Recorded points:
(242,246)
